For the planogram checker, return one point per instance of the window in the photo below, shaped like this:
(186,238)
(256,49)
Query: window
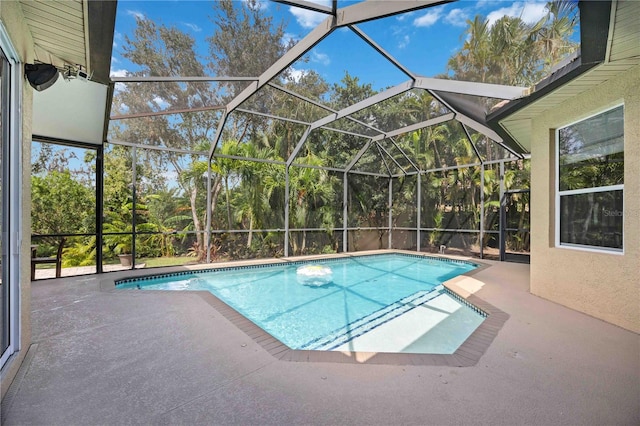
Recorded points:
(590,182)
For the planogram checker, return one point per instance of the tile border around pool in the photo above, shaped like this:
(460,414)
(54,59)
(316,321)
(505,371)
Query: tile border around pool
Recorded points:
(265,263)
(467,355)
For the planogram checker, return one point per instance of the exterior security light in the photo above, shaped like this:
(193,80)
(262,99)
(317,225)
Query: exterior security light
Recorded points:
(41,76)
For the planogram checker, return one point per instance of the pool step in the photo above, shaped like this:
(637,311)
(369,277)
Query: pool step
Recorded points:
(364,325)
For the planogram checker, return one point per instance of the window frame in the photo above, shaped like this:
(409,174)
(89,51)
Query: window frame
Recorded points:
(598,189)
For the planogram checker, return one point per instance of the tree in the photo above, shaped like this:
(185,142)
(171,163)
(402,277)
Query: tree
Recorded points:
(244,44)
(48,158)
(61,205)
(246,41)
(555,29)
(258,181)
(166,51)
(311,192)
(512,52)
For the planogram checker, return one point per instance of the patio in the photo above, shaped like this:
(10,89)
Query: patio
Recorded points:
(116,357)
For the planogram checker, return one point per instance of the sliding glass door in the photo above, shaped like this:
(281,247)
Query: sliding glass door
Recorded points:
(10,202)
(4,287)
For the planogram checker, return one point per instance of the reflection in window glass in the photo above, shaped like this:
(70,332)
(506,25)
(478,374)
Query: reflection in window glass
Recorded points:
(591,152)
(592,219)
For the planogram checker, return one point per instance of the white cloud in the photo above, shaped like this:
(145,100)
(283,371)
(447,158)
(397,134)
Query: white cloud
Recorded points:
(114,60)
(428,19)
(457,17)
(486,3)
(136,14)
(529,12)
(262,5)
(171,175)
(398,30)
(123,108)
(320,58)
(118,87)
(161,102)
(193,27)
(118,73)
(404,16)
(533,12)
(297,74)
(116,37)
(288,37)
(307,18)
(404,42)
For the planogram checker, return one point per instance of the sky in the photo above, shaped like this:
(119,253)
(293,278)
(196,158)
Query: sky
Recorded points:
(422,41)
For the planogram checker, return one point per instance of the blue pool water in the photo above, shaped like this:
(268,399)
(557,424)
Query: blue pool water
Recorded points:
(363,293)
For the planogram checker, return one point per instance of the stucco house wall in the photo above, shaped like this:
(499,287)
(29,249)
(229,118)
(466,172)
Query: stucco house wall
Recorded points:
(13,21)
(604,285)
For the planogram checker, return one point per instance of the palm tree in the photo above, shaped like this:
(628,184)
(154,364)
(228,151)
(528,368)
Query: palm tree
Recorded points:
(311,195)
(255,188)
(226,168)
(472,62)
(191,181)
(513,52)
(554,30)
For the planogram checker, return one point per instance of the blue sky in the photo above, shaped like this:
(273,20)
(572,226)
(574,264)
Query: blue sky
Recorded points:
(423,40)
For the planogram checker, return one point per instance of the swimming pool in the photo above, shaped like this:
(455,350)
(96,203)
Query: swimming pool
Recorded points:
(363,296)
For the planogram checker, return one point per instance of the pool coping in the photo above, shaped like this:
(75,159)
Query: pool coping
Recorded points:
(468,353)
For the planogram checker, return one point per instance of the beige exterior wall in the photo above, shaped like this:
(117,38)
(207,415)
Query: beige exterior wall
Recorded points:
(13,20)
(603,285)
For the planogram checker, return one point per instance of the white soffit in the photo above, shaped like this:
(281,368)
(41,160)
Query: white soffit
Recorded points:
(59,31)
(624,36)
(72,110)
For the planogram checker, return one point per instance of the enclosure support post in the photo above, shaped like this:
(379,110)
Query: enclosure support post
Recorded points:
(482,211)
(134,178)
(418,211)
(502,213)
(207,233)
(390,211)
(345,221)
(99,205)
(286,211)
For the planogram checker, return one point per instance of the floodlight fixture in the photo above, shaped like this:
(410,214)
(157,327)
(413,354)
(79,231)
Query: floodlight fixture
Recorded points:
(41,76)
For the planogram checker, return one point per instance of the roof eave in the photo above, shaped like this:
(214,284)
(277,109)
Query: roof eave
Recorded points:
(546,86)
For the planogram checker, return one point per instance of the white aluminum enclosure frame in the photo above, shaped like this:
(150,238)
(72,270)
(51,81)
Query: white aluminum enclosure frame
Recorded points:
(348,17)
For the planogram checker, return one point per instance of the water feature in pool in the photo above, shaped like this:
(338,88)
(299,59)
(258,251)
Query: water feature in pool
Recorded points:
(363,295)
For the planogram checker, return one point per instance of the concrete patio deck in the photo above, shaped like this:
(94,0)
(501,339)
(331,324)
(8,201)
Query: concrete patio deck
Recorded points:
(129,357)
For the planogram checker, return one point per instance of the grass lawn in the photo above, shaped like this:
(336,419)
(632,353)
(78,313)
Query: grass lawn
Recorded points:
(151,262)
